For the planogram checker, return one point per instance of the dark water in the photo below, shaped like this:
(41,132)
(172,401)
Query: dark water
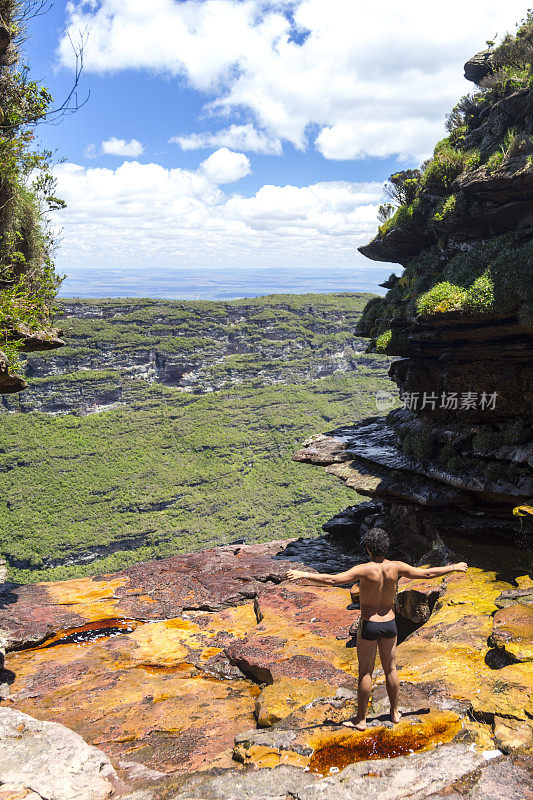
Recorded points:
(222,284)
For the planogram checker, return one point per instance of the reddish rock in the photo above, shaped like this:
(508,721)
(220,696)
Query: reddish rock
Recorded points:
(513,631)
(209,580)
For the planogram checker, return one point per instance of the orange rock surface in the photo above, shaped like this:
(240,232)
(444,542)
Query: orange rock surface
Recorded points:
(513,631)
(172,692)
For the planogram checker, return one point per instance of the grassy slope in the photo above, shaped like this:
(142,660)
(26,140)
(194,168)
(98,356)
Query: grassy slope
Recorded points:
(221,461)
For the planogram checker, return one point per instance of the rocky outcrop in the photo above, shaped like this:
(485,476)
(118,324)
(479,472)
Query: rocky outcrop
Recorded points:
(479,66)
(458,455)
(9,383)
(209,673)
(28,342)
(75,771)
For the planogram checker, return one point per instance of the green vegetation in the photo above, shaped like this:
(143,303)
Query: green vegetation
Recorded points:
(28,284)
(490,277)
(170,470)
(221,461)
(383,341)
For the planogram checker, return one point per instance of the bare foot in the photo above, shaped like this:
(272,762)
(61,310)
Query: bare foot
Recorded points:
(358,725)
(395,717)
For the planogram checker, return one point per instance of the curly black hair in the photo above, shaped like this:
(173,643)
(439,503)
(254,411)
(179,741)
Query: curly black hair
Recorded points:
(377,541)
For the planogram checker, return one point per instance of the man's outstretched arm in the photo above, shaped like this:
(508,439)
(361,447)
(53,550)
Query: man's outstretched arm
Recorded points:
(407,571)
(351,575)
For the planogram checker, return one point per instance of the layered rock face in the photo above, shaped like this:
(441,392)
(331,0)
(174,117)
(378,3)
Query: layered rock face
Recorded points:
(194,346)
(458,456)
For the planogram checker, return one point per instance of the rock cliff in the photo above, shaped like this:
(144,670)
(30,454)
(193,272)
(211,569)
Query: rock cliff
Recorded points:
(458,456)
(194,346)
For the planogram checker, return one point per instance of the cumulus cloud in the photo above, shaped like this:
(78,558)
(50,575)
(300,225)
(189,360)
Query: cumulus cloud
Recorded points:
(341,69)
(144,213)
(120,147)
(115,147)
(225,166)
(239,137)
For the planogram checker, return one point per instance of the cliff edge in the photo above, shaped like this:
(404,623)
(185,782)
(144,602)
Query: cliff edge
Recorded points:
(457,457)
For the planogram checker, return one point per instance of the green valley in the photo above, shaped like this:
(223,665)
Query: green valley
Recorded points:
(164,467)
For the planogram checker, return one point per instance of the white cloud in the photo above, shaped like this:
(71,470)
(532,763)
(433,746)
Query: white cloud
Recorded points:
(225,166)
(91,151)
(377,138)
(120,147)
(144,213)
(239,137)
(343,69)
(115,147)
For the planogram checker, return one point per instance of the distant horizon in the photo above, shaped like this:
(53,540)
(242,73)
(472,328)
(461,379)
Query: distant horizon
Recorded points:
(230,283)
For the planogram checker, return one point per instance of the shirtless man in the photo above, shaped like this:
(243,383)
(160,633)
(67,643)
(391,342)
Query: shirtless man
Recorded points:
(378,580)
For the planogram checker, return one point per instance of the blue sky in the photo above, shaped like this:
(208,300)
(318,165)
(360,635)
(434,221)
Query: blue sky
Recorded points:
(246,133)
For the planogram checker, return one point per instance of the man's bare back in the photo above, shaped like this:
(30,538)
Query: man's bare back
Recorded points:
(377,590)
(378,584)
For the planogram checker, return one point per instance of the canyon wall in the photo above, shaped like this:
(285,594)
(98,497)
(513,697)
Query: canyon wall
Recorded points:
(457,458)
(195,346)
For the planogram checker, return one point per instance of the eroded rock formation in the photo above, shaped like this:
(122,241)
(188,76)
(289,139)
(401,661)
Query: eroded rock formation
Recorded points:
(458,457)
(194,346)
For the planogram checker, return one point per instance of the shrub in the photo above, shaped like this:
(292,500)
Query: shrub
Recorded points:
(27,281)
(444,296)
(402,187)
(441,171)
(494,161)
(446,208)
(516,432)
(418,445)
(383,340)
(485,441)
(480,296)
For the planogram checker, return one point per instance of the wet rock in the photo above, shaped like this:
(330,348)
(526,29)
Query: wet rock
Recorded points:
(298,647)
(524,594)
(207,580)
(152,696)
(171,693)
(348,522)
(75,772)
(513,631)
(451,650)
(413,776)
(324,553)
(327,749)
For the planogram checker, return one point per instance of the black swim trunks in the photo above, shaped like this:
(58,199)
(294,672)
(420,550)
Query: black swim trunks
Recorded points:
(377,630)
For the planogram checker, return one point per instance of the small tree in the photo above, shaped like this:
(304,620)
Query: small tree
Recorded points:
(385,212)
(402,187)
